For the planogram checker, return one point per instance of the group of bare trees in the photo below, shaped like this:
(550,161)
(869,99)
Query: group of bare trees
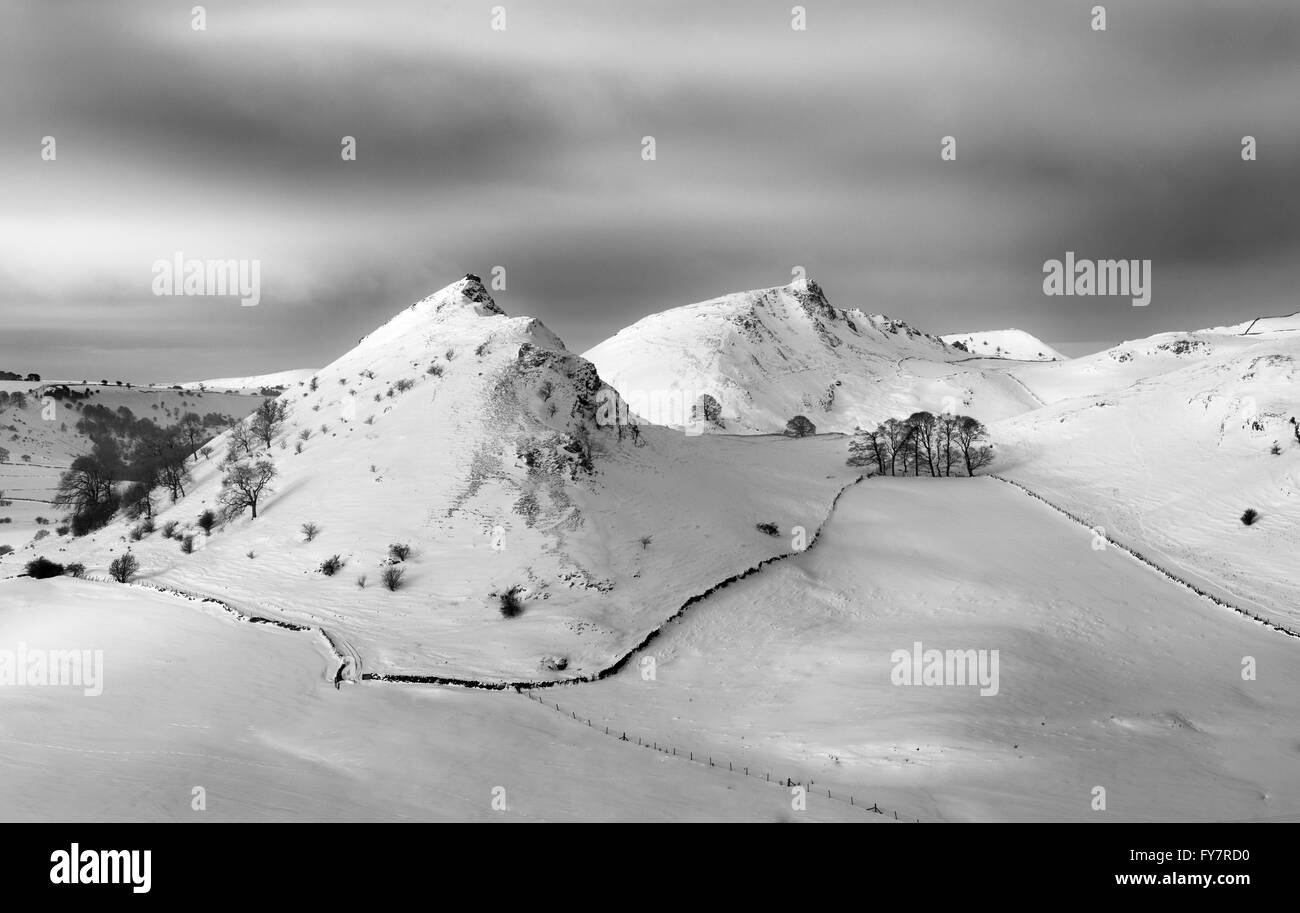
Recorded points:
(923,441)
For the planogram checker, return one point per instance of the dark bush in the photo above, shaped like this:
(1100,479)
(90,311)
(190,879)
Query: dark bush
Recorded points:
(392,577)
(399,551)
(43,568)
(799,426)
(75,570)
(511,606)
(331,565)
(769,528)
(1250,516)
(207,520)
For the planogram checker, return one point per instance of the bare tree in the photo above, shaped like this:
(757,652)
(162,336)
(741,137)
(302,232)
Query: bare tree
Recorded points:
(867,447)
(244,485)
(972,438)
(138,499)
(924,428)
(799,426)
(191,426)
(85,486)
(168,458)
(242,440)
(268,418)
(946,437)
(896,434)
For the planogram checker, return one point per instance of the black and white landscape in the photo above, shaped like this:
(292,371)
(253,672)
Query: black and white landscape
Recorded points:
(845,547)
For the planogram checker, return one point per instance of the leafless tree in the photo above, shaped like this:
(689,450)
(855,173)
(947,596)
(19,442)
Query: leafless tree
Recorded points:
(973,440)
(924,427)
(268,419)
(946,441)
(244,485)
(867,447)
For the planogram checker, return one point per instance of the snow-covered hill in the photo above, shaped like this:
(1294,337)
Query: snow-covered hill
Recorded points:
(1165,442)
(253,383)
(1014,344)
(771,354)
(474,437)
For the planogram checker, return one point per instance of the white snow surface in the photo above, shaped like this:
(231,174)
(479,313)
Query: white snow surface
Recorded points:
(1013,344)
(253,382)
(771,354)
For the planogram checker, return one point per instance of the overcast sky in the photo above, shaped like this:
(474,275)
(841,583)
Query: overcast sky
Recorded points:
(522,148)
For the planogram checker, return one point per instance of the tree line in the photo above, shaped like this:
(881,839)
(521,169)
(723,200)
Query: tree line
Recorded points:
(155,461)
(923,441)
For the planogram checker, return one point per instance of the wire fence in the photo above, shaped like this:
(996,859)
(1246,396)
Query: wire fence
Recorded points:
(1132,552)
(701,758)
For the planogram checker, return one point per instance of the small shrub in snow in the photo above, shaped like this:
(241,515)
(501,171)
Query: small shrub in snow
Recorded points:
(404,384)
(511,605)
(169,529)
(187,545)
(331,565)
(207,520)
(399,551)
(76,569)
(769,528)
(392,577)
(309,531)
(361,581)
(1249,516)
(645,541)
(251,554)
(435,370)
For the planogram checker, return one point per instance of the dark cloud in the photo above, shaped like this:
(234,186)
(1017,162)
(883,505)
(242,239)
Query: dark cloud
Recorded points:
(522,149)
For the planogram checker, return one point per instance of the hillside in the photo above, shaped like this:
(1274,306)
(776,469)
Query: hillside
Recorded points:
(1165,441)
(771,354)
(251,384)
(473,437)
(1013,344)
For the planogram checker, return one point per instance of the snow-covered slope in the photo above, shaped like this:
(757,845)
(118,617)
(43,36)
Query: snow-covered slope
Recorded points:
(473,437)
(1014,344)
(253,383)
(249,712)
(1108,673)
(1165,442)
(771,354)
